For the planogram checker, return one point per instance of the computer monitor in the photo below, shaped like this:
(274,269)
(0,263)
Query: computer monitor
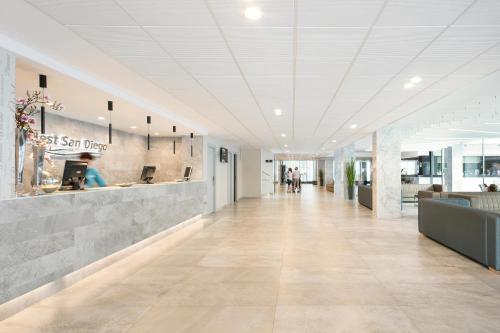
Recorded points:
(148,172)
(187,173)
(74,174)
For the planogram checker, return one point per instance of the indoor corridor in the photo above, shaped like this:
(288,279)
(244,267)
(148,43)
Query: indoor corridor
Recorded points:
(287,263)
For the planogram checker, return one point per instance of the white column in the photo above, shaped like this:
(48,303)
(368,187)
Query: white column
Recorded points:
(341,157)
(457,160)
(447,169)
(386,173)
(7,124)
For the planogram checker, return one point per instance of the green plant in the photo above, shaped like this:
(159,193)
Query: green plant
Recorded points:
(321,175)
(350,171)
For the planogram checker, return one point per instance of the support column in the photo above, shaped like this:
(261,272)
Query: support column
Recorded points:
(342,156)
(386,164)
(457,166)
(447,169)
(7,124)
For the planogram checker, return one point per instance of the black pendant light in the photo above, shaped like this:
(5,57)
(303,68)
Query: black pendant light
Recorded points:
(174,129)
(110,127)
(148,121)
(42,80)
(192,136)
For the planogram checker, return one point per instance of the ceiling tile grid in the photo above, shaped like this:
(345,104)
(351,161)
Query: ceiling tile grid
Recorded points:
(236,71)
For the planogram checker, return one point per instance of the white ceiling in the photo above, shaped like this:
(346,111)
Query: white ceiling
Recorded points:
(326,63)
(86,103)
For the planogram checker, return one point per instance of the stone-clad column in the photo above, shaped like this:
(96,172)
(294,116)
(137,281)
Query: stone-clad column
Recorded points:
(386,164)
(341,157)
(7,124)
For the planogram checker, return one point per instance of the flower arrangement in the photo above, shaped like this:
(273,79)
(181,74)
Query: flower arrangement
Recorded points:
(27,109)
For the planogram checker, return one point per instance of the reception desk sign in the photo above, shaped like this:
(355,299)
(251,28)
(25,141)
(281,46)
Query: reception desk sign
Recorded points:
(64,142)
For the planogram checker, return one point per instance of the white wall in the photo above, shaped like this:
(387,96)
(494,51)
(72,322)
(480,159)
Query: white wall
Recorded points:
(267,172)
(258,177)
(251,169)
(222,170)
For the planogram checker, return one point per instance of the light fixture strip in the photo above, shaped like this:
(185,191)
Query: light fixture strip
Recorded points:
(42,80)
(174,129)
(148,121)
(110,126)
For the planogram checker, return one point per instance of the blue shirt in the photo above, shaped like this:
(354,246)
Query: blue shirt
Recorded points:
(93,178)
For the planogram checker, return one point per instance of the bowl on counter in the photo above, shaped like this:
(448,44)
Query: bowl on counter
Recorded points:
(49,188)
(125,184)
(49,183)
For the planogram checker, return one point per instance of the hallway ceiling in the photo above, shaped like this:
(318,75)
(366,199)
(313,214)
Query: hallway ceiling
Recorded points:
(327,64)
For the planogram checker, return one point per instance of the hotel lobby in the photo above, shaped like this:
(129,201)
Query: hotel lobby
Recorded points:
(249,166)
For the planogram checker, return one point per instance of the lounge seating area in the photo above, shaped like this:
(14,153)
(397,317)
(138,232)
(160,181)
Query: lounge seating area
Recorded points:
(468,223)
(365,195)
(412,192)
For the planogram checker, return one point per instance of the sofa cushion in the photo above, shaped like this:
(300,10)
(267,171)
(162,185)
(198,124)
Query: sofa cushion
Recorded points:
(480,200)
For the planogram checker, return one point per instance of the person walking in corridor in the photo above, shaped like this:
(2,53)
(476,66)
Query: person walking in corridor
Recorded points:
(289,176)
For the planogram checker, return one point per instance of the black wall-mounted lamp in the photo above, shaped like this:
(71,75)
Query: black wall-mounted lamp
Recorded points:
(174,129)
(42,82)
(192,136)
(148,121)
(110,127)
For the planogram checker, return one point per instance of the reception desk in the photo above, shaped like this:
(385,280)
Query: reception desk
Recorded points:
(47,237)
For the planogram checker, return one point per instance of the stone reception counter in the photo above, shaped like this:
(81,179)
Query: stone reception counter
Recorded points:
(47,237)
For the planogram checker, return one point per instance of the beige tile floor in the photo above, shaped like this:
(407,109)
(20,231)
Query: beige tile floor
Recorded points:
(305,263)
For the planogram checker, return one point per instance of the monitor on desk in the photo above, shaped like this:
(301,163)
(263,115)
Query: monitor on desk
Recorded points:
(148,172)
(187,173)
(74,174)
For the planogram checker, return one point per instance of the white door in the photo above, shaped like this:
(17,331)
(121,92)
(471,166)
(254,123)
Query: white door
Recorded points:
(211,180)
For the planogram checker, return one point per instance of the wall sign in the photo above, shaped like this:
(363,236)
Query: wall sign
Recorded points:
(64,142)
(223,155)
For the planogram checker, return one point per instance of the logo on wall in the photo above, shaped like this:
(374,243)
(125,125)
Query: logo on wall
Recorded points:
(65,145)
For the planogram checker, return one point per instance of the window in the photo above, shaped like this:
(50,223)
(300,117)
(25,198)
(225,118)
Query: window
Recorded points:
(307,169)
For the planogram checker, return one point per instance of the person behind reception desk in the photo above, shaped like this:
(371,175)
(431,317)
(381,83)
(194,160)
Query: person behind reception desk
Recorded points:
(92,176)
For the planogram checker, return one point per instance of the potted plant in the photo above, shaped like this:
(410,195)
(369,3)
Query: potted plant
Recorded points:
(321,176)
(350,171)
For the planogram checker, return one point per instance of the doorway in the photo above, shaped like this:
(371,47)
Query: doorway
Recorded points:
(211,180)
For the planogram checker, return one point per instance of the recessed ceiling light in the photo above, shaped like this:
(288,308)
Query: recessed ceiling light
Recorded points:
(283,135)
(133,127)
(409,85)
(287,151)
(278,112)
(416,79)
(353,126)
(285,145)
(253,13)
(156,133)
(334,141)
(101,118)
